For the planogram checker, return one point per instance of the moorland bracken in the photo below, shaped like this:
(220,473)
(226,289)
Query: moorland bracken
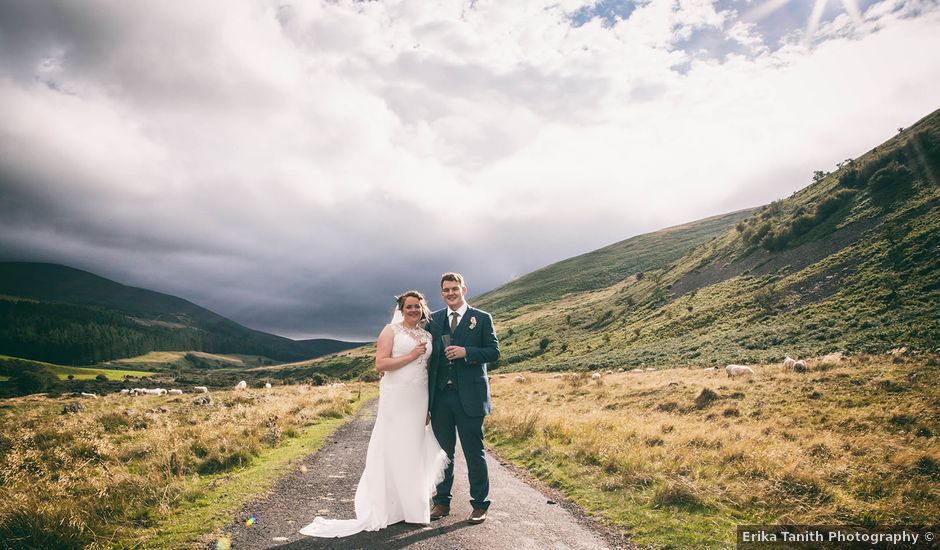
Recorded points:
(836,451)
(107,472)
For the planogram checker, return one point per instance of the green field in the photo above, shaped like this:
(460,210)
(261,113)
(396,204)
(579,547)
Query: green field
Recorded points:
(159,360)
(80,373)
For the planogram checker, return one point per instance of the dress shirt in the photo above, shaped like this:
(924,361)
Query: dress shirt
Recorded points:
(460,313)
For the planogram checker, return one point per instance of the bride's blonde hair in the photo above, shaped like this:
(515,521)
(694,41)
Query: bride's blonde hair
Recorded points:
(425,312)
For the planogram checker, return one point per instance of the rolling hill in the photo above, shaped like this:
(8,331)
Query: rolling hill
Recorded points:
(850,263)
(55,313)
(608,265)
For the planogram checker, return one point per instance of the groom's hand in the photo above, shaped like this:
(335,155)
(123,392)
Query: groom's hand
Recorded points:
(455,352)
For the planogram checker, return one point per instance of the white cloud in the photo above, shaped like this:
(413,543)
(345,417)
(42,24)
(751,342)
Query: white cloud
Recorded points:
(276,153)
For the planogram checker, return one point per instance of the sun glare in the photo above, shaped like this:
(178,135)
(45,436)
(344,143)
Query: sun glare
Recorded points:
(819,6)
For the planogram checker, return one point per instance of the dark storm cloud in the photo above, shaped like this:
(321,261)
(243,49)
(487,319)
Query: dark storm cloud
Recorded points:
(295,167)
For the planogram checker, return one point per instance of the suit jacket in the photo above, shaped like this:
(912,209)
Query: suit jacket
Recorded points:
(482,347)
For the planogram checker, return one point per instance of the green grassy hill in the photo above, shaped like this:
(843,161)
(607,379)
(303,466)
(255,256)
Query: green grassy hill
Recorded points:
(608,265)
(55,313)
(850,263)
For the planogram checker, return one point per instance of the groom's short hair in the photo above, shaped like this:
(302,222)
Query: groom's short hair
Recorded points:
(451,276)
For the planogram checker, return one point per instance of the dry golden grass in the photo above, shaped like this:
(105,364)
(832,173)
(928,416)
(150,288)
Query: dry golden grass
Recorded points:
(852,441)
(100,476)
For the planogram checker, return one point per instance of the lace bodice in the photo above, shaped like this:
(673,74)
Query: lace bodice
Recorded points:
(405,340)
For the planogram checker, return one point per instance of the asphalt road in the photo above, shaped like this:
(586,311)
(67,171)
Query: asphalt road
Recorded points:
(324,484)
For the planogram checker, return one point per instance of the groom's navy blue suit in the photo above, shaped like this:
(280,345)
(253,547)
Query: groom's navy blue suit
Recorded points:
(459,397)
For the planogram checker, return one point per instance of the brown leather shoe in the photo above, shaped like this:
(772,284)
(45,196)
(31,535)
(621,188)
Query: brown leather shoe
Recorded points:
(477,516)
(439,510)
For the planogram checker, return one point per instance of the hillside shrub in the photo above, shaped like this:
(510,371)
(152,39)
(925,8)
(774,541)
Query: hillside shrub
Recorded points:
(776,234)
(831,204)
(34,380)
(543,344)
(890,181)
(851,179)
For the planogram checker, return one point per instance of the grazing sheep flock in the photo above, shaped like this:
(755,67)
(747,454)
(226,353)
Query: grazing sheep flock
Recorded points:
(159,391)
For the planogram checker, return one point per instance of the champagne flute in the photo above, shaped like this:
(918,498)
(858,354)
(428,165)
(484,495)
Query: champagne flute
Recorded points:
(445,339)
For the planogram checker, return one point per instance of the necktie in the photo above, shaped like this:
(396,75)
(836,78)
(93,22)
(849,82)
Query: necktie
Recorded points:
(453,322)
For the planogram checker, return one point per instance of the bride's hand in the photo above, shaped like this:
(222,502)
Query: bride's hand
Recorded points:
(419,350)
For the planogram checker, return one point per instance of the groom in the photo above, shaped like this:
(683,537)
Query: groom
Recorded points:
(459,392)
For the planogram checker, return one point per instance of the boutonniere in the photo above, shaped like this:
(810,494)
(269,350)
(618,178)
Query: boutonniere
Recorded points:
(473,323)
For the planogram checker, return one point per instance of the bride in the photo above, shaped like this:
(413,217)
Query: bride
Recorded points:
(404,461)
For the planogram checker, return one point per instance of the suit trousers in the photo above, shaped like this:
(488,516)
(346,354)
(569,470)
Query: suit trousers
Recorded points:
(448,420)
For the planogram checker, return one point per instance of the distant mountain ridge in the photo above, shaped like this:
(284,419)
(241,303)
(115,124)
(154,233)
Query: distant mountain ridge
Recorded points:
(56,313)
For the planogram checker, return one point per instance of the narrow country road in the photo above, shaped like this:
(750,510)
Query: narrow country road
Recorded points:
(324,483)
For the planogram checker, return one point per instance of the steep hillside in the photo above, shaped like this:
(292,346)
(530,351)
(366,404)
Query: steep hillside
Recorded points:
(608,265)
(55,313)
(849,263)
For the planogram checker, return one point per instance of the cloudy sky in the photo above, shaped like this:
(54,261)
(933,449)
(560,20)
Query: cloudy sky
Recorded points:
(292,166)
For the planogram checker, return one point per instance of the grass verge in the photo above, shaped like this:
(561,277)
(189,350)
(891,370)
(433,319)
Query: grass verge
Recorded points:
(223,495)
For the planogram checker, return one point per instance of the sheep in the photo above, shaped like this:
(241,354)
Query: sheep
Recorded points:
(267,385)
(241,385)
(650,369)
(175,392)
(799,366)
(125,391)
(620,369)
(90,395)
(596,376)
(520,379)
(788,362)
(160,391)
(637,370)
(201,389)
(738,370)
(711,369)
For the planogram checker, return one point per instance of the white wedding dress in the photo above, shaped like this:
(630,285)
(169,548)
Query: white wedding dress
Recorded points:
(404,462)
